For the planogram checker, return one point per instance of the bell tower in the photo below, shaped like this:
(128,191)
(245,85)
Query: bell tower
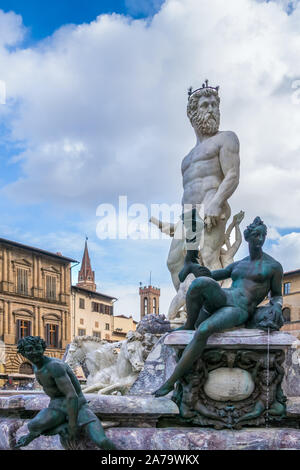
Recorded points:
(86,277)
(149,302)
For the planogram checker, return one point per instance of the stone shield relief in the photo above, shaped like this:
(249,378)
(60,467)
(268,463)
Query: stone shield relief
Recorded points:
(232,389)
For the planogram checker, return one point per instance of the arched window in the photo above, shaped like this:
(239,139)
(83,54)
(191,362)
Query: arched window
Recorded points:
(286,312)
(154,305)
(146,305)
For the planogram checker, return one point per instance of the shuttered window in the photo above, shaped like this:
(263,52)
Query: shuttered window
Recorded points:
(286,312)
(23,328)
(97,307)
(51,287)
(101,308)
(52,335)
(286,288)
(22,281)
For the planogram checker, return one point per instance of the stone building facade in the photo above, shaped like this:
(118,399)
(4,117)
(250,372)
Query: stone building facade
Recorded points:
(149,300)
(93,311)
(291,301)
(121,325)
(35,287)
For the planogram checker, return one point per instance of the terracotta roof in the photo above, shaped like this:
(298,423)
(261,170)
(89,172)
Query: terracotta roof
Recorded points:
(95,293)
(296,271)
(122,316)
(38,250)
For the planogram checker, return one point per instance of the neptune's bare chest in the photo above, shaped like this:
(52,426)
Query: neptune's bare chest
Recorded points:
(203,158)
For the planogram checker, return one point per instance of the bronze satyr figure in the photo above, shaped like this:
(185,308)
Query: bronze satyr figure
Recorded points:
(68,411)
(211,309)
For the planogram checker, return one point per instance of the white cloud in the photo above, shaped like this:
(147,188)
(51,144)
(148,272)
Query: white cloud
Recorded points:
(12,30)
(273,234)
(100,108)
(69,243)
(287,251)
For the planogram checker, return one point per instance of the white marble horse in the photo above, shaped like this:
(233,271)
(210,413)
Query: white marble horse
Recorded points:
(91,354)
(112,367)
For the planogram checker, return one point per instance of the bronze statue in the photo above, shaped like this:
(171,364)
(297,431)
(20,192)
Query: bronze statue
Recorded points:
(211,309)
(68,412)
(268,378)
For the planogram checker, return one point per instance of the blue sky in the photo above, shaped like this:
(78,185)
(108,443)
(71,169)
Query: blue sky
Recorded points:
(95,109)
(40,224)
(43,18)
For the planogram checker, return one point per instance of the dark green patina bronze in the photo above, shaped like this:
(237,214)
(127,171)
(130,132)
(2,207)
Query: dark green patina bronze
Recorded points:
(265,405)
(211,309)
(68,413)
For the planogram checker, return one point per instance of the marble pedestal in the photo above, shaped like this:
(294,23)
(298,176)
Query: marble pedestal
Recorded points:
(140,421)
(237,381)
(145,423)
(162,360)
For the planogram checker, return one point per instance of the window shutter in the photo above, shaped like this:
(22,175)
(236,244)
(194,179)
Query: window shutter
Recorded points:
(18,281)
(22,281)
(53,287)
(47,334)
(25,281)
(47,292)
(18,329)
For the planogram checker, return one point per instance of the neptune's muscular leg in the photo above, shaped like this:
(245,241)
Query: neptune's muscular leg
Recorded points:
(223,318)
